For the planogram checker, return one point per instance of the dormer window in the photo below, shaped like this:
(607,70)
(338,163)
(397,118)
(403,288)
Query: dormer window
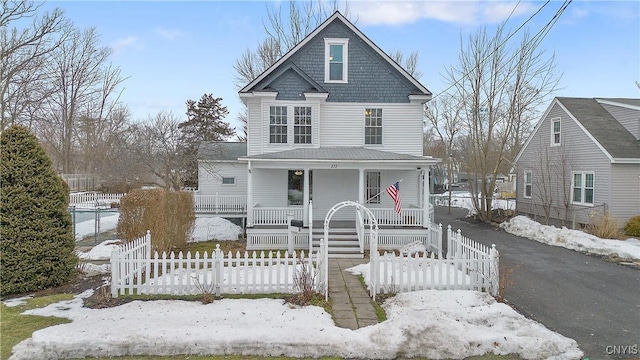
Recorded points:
(336,60)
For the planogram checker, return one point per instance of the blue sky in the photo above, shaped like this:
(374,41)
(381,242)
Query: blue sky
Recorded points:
(173,51)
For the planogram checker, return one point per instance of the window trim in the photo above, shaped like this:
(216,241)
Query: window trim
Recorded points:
(364,140)
(290,119)
(228,184)
(284,135)
(309,126)
(345,59)
(583,188)
(375,199)
(553,132)
(529,184)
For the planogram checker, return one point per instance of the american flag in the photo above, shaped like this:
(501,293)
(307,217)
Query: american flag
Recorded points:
(394,192)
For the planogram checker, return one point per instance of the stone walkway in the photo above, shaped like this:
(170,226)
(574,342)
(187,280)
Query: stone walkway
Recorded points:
(351,303)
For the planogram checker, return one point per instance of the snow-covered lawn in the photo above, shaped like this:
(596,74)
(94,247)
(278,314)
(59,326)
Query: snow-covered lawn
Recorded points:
(572,239)
(86,228)
(434,324)
(462,199)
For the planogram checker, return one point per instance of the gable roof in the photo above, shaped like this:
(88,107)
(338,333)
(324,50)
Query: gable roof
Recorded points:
(337,16)
(616,140)
(313,85)
(221,150)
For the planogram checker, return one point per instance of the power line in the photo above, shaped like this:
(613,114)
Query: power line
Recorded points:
(498,47)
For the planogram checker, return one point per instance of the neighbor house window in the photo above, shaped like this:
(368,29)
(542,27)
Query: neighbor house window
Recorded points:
(373,187)
(583,188)
(555,132)
(528,182)
(278,124)
(302,125)
(373,126)
(336,60)
(228,180)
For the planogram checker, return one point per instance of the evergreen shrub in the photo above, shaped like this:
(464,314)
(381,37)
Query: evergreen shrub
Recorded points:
(37,244)
(632,227)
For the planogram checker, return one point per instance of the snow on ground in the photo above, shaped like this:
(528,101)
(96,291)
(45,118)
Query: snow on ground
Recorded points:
(217,228)
(463,199)
(90,269)
(435,324)
(101,251)
(571,239)
(86,228)
(17,301)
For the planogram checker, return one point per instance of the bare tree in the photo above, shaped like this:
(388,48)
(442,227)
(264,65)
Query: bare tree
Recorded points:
(156,147)
(24,49)
(497,87)
(86,87)
(410,63)
(444,117)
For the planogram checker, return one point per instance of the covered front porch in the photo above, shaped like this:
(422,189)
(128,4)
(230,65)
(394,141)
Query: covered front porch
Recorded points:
(284,183)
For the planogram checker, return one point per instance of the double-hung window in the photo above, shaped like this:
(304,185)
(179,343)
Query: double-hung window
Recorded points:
(302,125)
(228,180)
(336,60)
(528,184)
(555,132)
(373,126)
(278,125)
(583,188)
(372,187)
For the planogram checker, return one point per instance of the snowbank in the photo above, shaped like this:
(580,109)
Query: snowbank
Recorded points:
(217,228)
(434,324)
(571,239)
(464,200)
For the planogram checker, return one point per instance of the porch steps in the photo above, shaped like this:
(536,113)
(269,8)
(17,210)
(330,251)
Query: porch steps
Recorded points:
(343,243)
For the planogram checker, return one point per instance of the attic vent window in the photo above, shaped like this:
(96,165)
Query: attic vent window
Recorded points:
(336,53)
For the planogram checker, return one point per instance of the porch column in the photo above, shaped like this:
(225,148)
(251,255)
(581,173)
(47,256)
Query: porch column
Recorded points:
(249,205)
(361,186)
(305,198)
(426,204)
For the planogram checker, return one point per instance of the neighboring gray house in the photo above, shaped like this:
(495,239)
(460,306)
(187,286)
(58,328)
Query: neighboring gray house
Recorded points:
(334,119)
(582,159)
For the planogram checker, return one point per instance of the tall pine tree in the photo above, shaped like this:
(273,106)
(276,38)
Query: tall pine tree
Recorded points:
(204,123)
(36,237)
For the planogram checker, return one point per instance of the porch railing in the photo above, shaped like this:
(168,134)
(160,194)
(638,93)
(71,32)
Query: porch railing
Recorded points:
(407,217)
(275,215)
(220,203)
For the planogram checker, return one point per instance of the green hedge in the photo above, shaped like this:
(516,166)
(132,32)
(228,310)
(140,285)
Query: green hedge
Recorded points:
(36,235)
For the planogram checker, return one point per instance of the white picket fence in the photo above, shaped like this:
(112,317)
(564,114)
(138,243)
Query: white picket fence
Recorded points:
(91,200)
(134,271)
(468,265)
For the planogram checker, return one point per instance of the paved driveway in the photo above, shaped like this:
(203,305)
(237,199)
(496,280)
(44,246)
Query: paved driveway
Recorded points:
(595,302)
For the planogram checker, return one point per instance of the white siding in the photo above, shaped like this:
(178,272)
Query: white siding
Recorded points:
(210,176)
(331,187)
(625,191)
(581,154)
(342,124)
(270,187)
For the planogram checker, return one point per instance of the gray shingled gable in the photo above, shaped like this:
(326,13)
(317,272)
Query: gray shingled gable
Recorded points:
(625,101)
(614,137)
(221,150)
(338,153)
(373,75)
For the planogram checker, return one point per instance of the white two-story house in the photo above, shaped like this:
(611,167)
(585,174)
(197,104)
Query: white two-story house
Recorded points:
(334,119)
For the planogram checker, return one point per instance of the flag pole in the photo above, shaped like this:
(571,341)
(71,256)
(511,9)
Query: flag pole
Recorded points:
(378,194)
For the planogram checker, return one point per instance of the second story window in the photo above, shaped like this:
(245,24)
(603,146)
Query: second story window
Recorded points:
(336,60)
(278,124)
(555,132)
(528,184)
(373,126)
(302,125)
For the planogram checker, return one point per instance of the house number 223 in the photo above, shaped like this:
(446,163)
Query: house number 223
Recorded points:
(334,166)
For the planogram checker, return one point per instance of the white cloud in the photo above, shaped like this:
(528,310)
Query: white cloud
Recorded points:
(457,12)
(123,43)
(169,34)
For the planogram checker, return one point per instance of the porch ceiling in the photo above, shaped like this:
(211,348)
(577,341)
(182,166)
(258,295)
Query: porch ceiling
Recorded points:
(341,154)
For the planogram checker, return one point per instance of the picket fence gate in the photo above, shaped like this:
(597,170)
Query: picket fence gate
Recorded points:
(135,271)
